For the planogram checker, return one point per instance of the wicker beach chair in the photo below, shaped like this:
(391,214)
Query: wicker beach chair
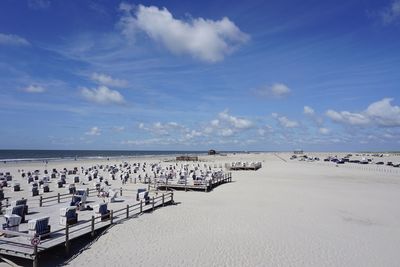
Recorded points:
(68,216)
(101,212)
(39,227)
(17,210)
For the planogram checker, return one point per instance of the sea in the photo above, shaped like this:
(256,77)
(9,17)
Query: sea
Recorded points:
(10,155)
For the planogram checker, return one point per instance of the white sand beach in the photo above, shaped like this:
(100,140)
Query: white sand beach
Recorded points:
(285,214)
(288,213)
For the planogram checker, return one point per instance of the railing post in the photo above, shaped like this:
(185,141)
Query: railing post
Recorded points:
(127,211)
(141,206)
(35,255)
(120,191)
(67,239)
(172,197)
(111,216)
(163,199)
(58,197)
(40,201)
(92,225)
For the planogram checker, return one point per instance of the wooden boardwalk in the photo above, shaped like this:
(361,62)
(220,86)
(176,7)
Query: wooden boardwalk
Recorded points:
(21,246)
(206,187)
(253,167)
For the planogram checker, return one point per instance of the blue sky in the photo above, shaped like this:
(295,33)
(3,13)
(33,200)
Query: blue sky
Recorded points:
(183,75)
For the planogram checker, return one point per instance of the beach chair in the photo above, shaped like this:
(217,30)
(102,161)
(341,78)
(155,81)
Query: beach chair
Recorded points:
(72,189)
(111,196)
(12,223)
(101,213)
(17,187)
(143,196)
(17,210)
(68,216)
(46,188)
(39,227)
(24,202)
(82,193)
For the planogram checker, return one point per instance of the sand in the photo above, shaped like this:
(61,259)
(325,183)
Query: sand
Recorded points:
(285,214)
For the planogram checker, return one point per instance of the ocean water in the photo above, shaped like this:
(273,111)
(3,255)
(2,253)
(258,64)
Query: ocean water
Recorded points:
(35,155)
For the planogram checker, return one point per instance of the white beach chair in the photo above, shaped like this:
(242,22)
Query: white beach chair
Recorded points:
(101,212)
(68,216)
(39,227)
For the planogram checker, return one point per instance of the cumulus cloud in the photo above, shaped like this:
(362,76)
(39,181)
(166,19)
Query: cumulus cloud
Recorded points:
(323,130)
(276,90)
(391,13)
(205,39)
(94,131)
(308,110)
(383,113)
(102,95)
(34,89)
(226,132)
(284,121)
(380,113)
(107,80)
(11,39)
(236,122)
(347,117)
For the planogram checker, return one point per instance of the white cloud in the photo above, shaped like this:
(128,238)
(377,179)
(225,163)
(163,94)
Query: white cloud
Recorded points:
(383,113)
(277,90)
(346,117)
(118,128)
(107,80)
(236,122)
(102,95)
(215,123)
(226,132)
(323,130)
(391,13)
(380,113)
(39,4)
(284,121)
(34,89)
(11,39)
(204,39)
(94,131)
(308,110)
(159,128)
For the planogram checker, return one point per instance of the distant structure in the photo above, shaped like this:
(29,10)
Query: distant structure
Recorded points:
(212,152)
(298,152)
(187,158)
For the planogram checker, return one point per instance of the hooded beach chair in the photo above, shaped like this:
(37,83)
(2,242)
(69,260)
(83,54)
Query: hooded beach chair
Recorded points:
(101,212)
(68,216)
(17,210)
(24,202)
(39,227)
(12,223)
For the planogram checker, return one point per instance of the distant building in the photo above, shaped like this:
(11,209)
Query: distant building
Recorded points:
(298,151)
(212,152)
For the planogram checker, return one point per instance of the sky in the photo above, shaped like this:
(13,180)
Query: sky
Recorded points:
(198,75)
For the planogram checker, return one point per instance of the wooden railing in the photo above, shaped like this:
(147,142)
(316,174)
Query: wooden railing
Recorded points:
(70,232)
